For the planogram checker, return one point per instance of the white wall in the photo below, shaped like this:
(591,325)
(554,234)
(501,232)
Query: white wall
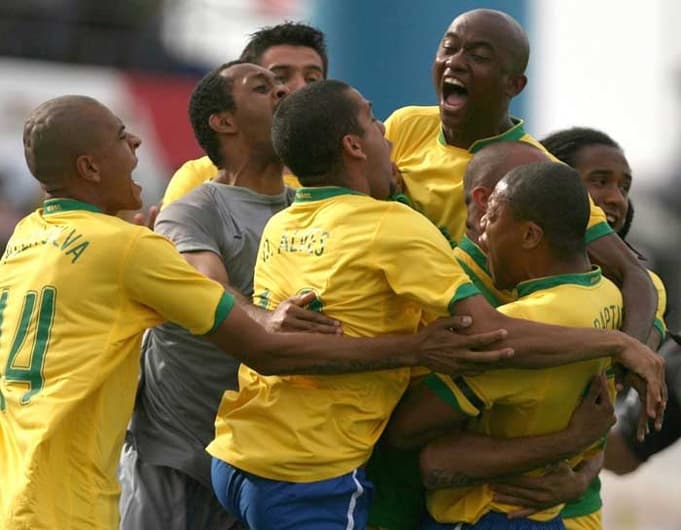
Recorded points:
(613,65)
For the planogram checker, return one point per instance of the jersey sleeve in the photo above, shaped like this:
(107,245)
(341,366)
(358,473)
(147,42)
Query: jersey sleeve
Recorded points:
(190,175)
(192,223)
(475,394)
(660,324)
(155,275)
(421,266)
(597,226)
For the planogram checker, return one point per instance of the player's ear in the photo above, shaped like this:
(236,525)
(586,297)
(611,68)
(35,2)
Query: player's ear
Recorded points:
(352,147)
(532,235)
(515,85)
(223,123)
(87,168)
(480,195)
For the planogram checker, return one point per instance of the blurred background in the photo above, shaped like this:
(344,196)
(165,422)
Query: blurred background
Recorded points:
(610,64)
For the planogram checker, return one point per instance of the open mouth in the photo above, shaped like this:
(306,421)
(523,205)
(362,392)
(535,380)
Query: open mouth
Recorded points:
(454,92)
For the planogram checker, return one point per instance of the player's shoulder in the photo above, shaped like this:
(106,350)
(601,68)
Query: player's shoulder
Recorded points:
(529,139)
(414,114)
(199,168)
(187,177)
(200,199)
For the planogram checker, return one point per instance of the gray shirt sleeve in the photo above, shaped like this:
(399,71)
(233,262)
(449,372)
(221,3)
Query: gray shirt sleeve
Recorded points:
(192,223)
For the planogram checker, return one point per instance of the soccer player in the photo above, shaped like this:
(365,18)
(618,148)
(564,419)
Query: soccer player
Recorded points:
(471,456)
(165,470)
(605,171)
(479,67)
(289,451)
(296,54)
(534,240)
(79,286)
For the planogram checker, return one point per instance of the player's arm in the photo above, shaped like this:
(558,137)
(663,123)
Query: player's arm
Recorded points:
(541,345)
(561,484)
(290,315)
(436,346)
(622,266)
(624,453)
(465,458)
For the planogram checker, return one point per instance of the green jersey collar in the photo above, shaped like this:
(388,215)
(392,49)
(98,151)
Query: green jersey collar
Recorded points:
(585,279)
(66,205)
(475,252)
(513,134)
(321,193)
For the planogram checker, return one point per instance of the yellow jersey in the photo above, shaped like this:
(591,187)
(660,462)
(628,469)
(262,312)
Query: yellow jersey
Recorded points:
(512,403)
(433,171)
(194,173)
(592,521)
(364,258)
(659,323)
(474,262)
(77,290)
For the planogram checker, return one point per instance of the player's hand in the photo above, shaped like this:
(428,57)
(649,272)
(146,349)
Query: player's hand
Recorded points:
(594,416)
(291,315)
(647,377)
(148,220)
(444,350)
(560,484)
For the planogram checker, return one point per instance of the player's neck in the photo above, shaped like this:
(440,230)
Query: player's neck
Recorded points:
(552,266)
(255,173)
(77,195)
(470,133)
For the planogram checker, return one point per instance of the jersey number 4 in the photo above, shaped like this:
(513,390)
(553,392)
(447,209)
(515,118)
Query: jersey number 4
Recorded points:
(19,368)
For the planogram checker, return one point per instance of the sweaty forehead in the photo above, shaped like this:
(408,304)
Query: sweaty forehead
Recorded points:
(285,55)
(243,72)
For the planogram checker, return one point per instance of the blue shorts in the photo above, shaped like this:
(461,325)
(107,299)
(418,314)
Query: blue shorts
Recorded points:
(340,503)
(497,521)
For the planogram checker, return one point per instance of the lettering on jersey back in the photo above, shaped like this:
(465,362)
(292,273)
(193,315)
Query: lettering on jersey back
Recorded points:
(67,240)
(311,241)
(609,317)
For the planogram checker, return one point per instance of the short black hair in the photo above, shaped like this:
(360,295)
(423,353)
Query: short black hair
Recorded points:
(56,133)
(291,33)
(553,196)
(211,95)
(565,144)
(308,128)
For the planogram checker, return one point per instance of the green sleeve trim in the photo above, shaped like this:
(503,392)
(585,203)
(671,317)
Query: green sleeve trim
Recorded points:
(489,296)
(589,503)
(475,252)
(463,291)
(441,390)
(660,326)
(222,311)
(597,231)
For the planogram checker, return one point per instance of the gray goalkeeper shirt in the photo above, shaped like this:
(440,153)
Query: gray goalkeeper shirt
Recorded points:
(183,377)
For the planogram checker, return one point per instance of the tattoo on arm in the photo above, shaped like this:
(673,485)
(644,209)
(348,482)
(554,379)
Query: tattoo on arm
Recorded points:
(339,366)
(441,478)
